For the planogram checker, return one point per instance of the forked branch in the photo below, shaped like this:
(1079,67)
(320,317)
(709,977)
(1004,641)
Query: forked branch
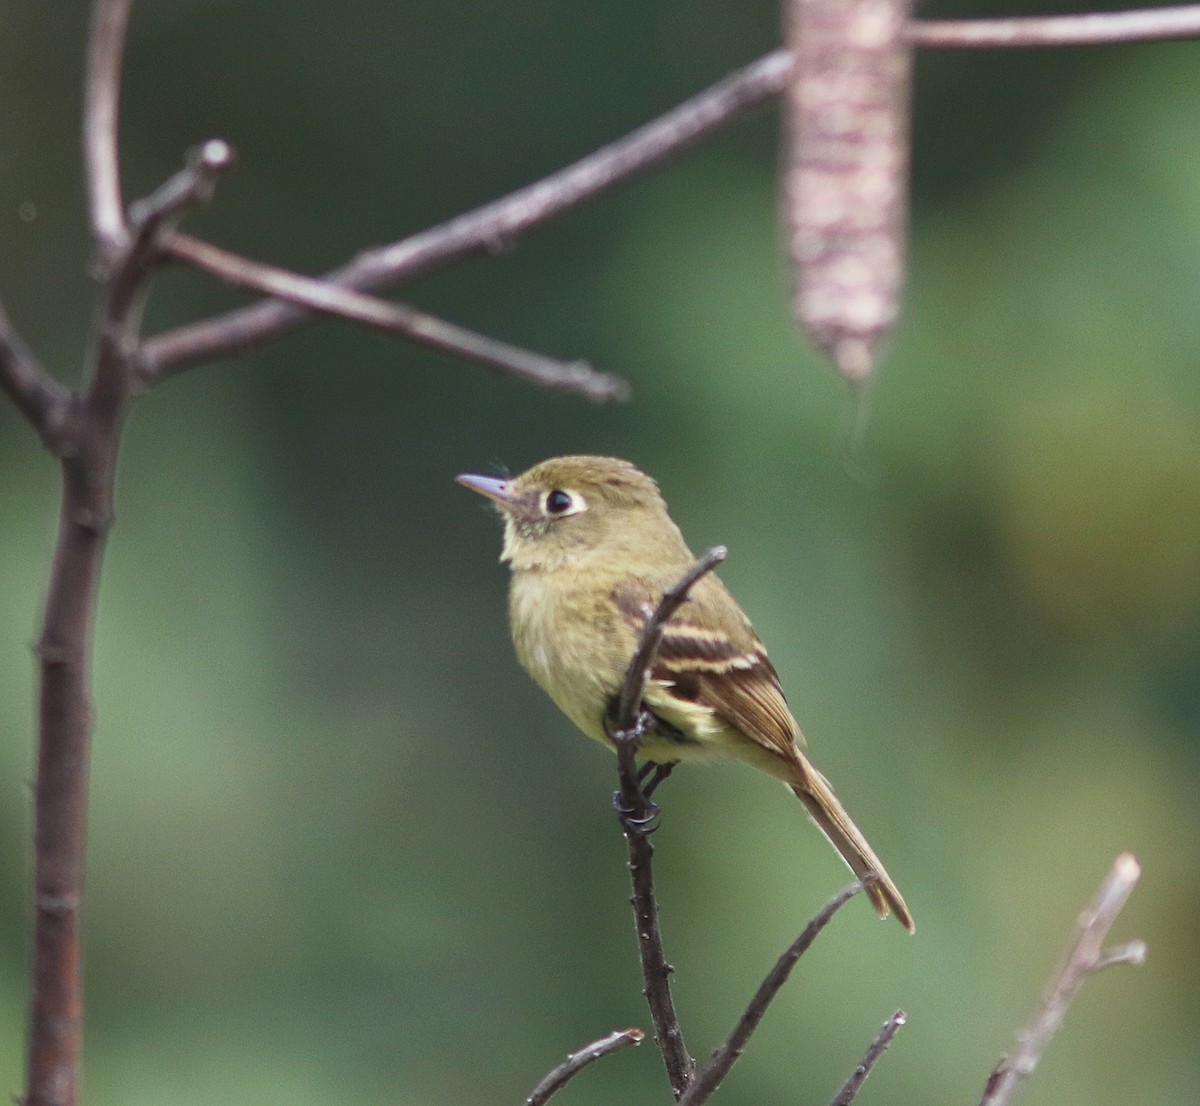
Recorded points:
(726,1054)
(1085,955)
(629,723)
(398,319)
(631,720)
(500,223)
(489,228)
(85,431)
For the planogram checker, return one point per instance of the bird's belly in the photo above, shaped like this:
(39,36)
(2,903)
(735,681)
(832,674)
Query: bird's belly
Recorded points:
(564,661)
(582,673)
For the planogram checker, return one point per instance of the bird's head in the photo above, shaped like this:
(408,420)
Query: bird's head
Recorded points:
(568,510)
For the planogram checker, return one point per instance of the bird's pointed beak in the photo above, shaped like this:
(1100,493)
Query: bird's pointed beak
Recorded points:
(497,490)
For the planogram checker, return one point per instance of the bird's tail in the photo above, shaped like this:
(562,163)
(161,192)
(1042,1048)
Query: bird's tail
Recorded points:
(813,790)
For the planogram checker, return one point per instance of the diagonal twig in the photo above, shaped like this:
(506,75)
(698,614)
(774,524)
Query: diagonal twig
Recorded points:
(494,225)
(1085,954)
(876,1049)
(33,391)
(1094,29)
(501,222)
(128,270)
(638,670)
(726,1054)
(190,186)
(101,97)
(635,813)
(395,318)
(577,1061)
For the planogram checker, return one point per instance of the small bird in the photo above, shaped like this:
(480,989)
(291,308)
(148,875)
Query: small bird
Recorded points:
(592,549)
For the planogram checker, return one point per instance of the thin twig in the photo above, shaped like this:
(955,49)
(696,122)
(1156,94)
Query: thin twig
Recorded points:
(726,1054)
(877,1048)
(577,1061)
(656,972)
(634,685)
(1142,25)
(150,218)
(101,98)
(33,391)
(489,228)
(629,720)
(500,223)
(395,318)
(190,186)
(1084,956)
(636,817)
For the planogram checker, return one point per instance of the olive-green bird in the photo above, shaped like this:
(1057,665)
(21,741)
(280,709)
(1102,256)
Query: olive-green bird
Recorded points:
(592,549)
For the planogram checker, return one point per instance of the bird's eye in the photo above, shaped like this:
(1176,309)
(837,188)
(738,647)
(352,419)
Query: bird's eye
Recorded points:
(558,502)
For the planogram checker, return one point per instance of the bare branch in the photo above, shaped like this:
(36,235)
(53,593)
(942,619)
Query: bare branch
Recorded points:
(1084,956)
(1132,953)
(877,1048)
(656,972)
(577,1061)
(394,318)
(500,223)
(637,819)
(1142,25)
(129,269)
(638,671)
(492,227)
(101,97)
(33,391)
(629,719)
(726,1054)
(192,185)
(65,710)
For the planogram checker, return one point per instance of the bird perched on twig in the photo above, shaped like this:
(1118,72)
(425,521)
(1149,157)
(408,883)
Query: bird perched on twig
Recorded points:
(592,550)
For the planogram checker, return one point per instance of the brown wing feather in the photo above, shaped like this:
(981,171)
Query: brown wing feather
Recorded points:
(750,700)
(711,656)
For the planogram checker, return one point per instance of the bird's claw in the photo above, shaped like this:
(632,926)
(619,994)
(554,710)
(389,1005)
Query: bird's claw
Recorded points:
(639,820)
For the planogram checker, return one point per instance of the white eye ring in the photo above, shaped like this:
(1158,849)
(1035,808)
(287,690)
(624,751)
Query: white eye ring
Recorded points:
(557,503)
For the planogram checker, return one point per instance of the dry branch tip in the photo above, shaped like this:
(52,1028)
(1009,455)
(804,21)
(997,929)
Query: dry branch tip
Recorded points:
(577,1061)
(726,1054)
(1084,957)
(401,320)
(192,185)
(874,1051)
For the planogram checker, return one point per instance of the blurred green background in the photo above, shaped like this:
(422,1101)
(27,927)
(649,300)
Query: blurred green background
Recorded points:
(342,849)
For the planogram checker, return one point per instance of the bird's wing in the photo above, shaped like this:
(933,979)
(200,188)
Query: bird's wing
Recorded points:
(710,657)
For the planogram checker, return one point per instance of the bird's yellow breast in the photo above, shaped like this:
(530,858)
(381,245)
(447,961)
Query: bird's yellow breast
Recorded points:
(562,638)
(576,645)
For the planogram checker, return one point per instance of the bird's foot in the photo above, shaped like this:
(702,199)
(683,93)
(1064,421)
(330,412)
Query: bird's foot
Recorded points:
(638,818)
